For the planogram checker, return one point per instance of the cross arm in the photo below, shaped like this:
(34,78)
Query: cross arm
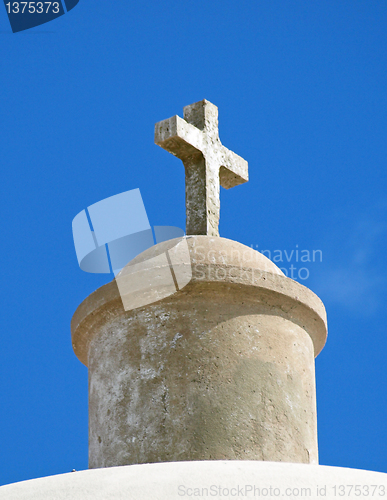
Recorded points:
(180,138)
(233,169)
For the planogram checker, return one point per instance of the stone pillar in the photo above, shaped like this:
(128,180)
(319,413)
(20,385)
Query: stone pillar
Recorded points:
(221,369)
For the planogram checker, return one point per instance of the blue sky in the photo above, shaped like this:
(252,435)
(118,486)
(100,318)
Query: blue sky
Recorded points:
(301,91)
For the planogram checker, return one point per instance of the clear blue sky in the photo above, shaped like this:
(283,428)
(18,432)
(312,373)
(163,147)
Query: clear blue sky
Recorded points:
(301,91)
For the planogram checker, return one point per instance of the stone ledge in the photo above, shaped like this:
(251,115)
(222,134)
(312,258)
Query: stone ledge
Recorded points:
(243,269)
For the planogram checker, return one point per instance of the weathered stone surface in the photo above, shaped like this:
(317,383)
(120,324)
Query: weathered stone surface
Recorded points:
(208,164)
(222,369)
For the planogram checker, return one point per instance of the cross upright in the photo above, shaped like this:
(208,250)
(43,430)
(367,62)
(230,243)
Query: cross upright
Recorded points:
(208,164)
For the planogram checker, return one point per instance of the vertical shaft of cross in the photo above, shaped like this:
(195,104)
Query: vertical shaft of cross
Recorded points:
(195,196)
(202,181)
(202,199)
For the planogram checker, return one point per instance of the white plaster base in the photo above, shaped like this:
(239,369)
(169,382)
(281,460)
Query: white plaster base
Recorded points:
(202,479)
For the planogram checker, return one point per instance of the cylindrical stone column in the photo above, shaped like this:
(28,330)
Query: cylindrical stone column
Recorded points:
(221,369)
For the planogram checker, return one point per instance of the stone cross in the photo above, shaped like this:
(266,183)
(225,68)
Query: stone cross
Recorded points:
(208,164)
